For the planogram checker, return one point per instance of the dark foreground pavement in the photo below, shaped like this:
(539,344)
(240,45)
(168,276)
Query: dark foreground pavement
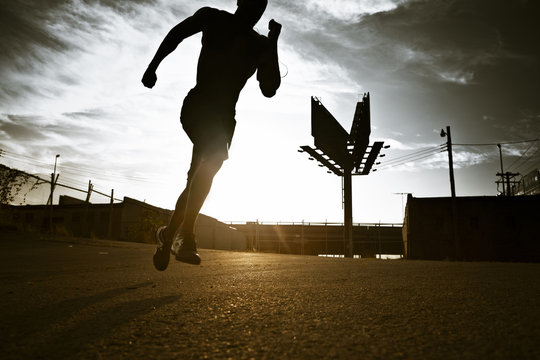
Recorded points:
(104,300)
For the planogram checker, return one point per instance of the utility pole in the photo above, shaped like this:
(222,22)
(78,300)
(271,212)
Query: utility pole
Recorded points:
(54,179)
(502,170)
(508,177)
(454,214)
(450,159)
(86,226)
(89,192)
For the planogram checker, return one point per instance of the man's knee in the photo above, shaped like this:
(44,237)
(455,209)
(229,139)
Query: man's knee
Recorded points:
(213,162)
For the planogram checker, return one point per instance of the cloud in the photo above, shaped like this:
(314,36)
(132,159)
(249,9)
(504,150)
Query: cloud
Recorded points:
(401,146)
(70,72)
(351,10)
(19,128)
(74,50)
(525,126)
(464,159)
(445,41)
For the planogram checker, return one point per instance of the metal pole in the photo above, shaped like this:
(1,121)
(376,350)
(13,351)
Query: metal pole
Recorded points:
(508,187)
(326,237)
(55,159)
(454,213)
(51,206)
(451,162)
(302,237)
(455,230)
(348,218)
(379,238)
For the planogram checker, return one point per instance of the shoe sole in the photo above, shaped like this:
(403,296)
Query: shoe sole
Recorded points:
(188,258)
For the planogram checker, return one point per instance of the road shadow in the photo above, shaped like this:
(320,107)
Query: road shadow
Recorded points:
(63,329)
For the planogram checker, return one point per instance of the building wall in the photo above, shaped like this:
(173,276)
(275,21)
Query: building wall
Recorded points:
(320,238)
(212,234)
(130,220)
(529,184)
(485,228)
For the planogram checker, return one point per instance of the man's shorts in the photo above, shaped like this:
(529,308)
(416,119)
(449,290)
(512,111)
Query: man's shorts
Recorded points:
(209,124)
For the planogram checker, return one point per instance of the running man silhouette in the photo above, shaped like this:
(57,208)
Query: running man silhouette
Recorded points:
(232,51)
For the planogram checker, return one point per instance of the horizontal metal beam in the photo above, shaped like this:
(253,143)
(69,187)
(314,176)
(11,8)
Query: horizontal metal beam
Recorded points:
(375,149)
(312,152)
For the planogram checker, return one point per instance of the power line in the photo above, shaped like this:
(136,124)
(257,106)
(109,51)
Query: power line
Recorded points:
(411,160)
(522,155)
(499,143)
(411,157)
(535,165)
(63,185)
(414,154)
(74,170)
(384,167)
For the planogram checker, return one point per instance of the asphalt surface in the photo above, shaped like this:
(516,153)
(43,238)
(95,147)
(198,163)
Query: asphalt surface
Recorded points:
(104,300)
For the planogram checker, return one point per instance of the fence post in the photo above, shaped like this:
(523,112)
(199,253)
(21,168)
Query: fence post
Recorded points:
(302,239)
(109,232)
(326,237)
(379,238)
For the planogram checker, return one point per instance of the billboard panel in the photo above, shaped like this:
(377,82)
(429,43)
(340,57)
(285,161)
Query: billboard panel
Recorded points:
(360,130)
(329,135)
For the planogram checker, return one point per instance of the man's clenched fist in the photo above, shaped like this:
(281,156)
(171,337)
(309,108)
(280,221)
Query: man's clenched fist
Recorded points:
(274,29)
(149,78)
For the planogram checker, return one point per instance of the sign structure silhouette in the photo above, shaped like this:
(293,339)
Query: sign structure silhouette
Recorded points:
(342,153)
(338,150)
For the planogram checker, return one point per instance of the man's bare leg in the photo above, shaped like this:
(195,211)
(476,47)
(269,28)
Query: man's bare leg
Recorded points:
(165,234)
(187,209)
(178,215)
(192,198)
(185,248)
(199,189)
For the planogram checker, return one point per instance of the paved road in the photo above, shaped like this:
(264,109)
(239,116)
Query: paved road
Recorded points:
(104,300)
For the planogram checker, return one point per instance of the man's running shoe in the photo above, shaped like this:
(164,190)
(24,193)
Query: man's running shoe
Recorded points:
(163,249)
(185,250)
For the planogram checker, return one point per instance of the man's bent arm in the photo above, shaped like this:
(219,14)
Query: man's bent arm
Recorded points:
(183,30)
(268,71)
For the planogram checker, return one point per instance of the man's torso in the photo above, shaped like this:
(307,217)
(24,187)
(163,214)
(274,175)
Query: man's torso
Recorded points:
(229,57)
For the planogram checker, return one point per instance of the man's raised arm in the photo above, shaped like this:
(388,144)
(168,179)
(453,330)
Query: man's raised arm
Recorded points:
(268,71)
(183,30)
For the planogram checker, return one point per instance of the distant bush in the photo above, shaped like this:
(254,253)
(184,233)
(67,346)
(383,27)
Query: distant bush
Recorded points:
(12,181)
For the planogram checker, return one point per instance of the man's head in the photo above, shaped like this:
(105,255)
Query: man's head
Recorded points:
(250,11)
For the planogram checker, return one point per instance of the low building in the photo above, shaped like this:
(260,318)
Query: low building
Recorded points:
(129,220)
(529,184)
(487,228)
(323,238)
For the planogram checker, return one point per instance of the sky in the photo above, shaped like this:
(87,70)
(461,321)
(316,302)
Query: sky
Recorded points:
(70,75)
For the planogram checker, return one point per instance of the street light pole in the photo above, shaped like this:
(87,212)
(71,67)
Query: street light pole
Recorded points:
(448,135)
(454,214)
(55,160)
